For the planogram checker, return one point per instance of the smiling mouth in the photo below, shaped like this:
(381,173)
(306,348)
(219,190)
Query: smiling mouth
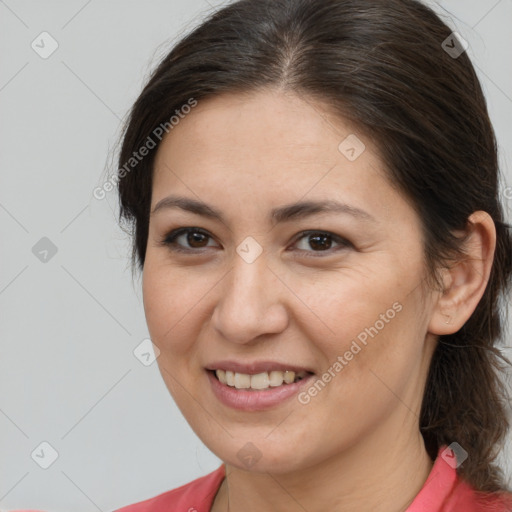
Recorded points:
(259,381)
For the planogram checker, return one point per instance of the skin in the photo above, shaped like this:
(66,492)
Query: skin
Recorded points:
(356,445)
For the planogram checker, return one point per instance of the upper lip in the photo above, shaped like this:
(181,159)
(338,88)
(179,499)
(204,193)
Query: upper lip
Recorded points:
(255,367)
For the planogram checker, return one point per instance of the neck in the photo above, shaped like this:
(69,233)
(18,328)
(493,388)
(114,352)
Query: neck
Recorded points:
(377,476)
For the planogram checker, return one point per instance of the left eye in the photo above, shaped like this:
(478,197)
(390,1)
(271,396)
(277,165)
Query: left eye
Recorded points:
(320,241)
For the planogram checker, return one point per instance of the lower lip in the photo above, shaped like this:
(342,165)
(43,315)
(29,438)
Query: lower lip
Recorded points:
(244,400)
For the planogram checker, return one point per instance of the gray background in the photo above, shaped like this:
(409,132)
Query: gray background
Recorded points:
(70,324)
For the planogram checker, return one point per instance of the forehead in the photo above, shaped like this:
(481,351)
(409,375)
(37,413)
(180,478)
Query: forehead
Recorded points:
(247,156)
(262,135)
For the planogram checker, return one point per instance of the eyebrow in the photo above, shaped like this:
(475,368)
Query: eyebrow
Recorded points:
(281,214)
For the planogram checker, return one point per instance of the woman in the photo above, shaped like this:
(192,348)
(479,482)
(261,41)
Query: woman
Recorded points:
(313,191)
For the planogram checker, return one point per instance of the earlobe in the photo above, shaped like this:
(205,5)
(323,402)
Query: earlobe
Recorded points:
(464,282)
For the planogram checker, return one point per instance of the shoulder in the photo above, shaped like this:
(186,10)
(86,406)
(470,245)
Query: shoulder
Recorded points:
(446,491)
(464,497)
(196,496)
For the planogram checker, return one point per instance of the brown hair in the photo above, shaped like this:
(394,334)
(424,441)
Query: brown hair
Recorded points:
(380,64)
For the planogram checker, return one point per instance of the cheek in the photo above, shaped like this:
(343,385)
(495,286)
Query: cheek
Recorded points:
(351,303)
(373,318)
(169,301)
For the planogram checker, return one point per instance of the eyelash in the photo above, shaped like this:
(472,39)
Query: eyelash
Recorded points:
(170,240)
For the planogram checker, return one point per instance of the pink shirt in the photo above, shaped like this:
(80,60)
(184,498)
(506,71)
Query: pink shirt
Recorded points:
(443,491)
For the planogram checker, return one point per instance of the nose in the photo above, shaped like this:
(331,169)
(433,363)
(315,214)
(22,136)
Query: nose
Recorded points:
(251,303)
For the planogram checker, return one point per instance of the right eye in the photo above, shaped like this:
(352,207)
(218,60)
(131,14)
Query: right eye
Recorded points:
(196,238)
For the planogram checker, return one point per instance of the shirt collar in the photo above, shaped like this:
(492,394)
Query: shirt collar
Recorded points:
(439,485)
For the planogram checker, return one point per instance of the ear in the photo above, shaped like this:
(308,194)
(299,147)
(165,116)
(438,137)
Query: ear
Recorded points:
(465,281)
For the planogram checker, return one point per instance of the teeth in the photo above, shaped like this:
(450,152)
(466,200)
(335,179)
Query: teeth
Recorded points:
(275,378)
(263,380)
(260,381)
(242,381)
(289,377)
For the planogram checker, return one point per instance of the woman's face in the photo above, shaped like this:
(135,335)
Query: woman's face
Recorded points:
(246,291)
